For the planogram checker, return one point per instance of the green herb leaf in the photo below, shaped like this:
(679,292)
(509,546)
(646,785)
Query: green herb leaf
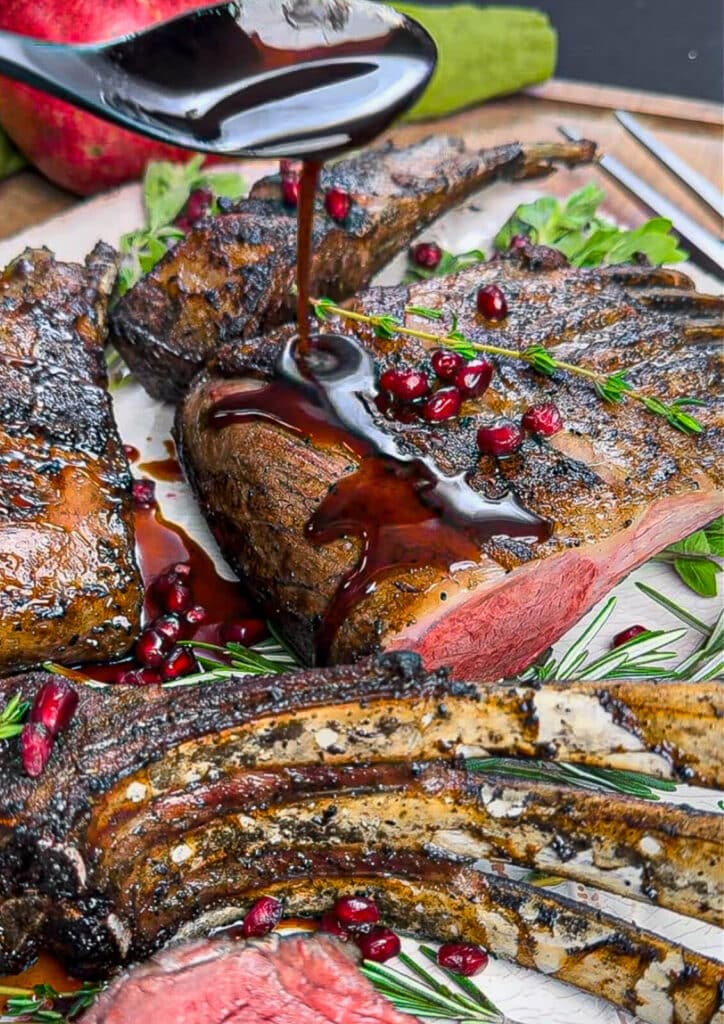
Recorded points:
(449,263)
(693,561)
(12,717)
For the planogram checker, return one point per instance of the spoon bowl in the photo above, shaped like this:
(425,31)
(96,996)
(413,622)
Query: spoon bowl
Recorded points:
(292,78)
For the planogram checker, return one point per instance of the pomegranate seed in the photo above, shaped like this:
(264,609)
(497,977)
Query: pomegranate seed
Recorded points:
(473,378)
(407,385)
(54,705)
(544,419)
(446,363)
(140,677)
(291,188)
(337,204)
(196,615)
(518,242)
(462,958)
(36,746)
(356,911)
(246,632)
(182,569)
(184,223)
(263,918)
(178,597)
(628,634)
(443,405)
(131,452)
(198,204)
(169,626)
(501,438)
(144,493)
(289,168)
(492,303)
(152,648)
(427,255)
(329,923)
(180,662)
(380,944)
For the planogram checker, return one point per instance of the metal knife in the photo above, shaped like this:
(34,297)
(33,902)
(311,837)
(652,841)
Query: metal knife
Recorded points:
(705,248)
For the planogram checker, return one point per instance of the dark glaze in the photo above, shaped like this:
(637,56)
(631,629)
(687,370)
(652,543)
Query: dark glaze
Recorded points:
(168,469)
(159,545)
(405,512)
(305,224)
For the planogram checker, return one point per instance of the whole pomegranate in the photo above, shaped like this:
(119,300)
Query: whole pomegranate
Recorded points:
(76,150)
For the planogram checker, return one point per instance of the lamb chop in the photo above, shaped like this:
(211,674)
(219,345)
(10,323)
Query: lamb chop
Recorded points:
(615,486)
(70,589)
(164,812)
(233,275)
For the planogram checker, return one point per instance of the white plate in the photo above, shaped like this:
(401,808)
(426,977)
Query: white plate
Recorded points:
(525,996)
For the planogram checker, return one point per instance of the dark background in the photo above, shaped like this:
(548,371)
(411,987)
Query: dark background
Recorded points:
(669,46)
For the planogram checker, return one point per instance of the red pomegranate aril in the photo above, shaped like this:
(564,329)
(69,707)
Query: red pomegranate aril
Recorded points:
(462,958)
(473,378)
(331,925)
(291,188)
(356,911)
(168,625)
(182,569)
(184,224)
(446,363)
(427,255)
(196,616)
(544,419)
(518,242)
(140,677)
(178,597)
(442,405)
(337,204)
(502,438)
(198,204)
(407,385)
(144,493)
(246,632)
(628,634)
(180,662)
(492,303)
(263,918)
(379,945)
(152,648)
(290,168)
(54,705)
(36,746)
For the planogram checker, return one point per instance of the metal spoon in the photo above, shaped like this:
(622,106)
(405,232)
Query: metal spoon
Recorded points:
(296,78)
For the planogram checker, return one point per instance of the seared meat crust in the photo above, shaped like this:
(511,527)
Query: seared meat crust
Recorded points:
(618,483)
(70,589)
(233,275)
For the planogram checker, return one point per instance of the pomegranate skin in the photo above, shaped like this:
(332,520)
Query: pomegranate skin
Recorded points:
(263,918)
(77,150)
(54,705)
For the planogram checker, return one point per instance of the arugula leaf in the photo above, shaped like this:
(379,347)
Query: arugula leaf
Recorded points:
(586,239)
(166,190)
(693,561)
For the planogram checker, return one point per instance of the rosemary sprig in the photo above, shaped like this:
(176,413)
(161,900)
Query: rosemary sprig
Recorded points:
(270,656)
(11,717)
(421,994)
(607,780)
(613,388)
(43,1003)
(707,661)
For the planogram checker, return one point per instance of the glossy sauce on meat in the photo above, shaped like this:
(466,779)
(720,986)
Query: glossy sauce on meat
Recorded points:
(403,509)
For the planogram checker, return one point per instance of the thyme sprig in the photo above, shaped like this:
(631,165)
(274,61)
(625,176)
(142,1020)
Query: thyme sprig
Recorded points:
(12,717)
(421,994)
(613,388)
(43,1003)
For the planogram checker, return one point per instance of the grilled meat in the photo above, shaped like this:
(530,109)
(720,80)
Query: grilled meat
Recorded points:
(233,275)
(151,796)
(69,586)
(295,980)
(617,484)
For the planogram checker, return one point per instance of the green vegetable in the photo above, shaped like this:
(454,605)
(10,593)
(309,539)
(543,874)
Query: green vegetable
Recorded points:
(694,558)
(449,263)
(166,189)
(10,160)
(586,239)
(482,52)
